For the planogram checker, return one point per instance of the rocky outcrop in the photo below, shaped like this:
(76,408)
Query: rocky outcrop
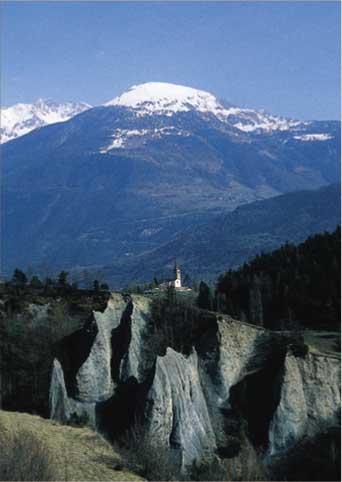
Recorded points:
(177,411)
(116,353)
(238,384)
(310,400)
(63,407)
(137,361)
(94,378)
(233,352)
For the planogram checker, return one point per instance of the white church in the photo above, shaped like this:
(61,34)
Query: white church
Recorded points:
(175,281)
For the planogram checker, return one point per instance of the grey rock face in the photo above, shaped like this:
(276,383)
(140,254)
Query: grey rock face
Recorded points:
(136,361)
(63,407)
(94,380)
(235,355)
(179,413)
(187,399)
(289,422)
(39,313)
(309,400)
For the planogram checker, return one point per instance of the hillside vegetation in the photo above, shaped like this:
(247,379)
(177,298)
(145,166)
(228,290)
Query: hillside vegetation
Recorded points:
(294,286)
(32,322)
(65,453)
(226,240)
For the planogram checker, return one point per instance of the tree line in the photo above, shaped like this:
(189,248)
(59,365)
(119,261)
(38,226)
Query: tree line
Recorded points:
(291,286)
(20,280)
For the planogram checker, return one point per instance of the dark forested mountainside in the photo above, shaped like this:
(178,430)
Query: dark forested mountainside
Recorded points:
(225,241)
(293,285)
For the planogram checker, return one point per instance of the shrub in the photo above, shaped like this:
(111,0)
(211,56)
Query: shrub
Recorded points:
(208,468)
(82,420)
(246,465)
(145,456)
(24,457)
(19,278)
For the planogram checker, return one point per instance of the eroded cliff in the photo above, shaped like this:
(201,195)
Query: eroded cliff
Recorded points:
(198,384)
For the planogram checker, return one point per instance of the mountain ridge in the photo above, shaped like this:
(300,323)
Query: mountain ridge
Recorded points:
(20,119)
(157,98)
(150,98)
(109,183)
(229,239)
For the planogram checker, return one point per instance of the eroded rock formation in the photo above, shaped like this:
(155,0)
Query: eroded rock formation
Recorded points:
(310,400)
(232,383)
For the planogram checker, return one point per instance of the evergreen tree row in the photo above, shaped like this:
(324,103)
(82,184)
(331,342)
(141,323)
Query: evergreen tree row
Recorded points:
(20,280)
(291,286)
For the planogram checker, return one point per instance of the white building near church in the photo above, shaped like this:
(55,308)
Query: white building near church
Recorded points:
(175,281)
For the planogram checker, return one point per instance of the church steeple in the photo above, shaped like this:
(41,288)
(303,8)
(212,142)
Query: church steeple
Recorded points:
(178,276)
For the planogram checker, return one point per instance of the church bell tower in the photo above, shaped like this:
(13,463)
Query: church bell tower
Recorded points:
(178,276)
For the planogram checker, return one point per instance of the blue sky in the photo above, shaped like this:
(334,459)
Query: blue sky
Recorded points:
(283,57)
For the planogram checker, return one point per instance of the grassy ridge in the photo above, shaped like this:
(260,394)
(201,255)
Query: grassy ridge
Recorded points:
(76,453)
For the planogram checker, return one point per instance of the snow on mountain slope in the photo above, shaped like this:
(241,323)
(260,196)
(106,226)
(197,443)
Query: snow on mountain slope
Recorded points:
(122,136)
(313,137)
(163,98)
(147,100)
(160,98)
(20,119)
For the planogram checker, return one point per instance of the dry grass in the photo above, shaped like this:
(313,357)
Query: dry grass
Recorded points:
(66,453)
(24,457)
(323,342)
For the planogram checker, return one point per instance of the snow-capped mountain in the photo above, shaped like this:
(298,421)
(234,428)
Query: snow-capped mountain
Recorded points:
(148,99)
(160,98)
(121,179)
(20,119)
(157,110)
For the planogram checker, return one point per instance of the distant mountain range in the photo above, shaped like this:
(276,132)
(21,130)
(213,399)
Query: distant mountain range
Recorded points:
(119,181)
(228,240)
(20,119)
(153,98)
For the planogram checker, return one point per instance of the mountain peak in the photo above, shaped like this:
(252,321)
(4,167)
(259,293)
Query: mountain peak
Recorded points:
(20,119)
(163,97)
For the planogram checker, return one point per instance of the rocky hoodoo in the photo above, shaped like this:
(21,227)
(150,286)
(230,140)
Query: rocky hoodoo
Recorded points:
(230,385)
(309,400)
